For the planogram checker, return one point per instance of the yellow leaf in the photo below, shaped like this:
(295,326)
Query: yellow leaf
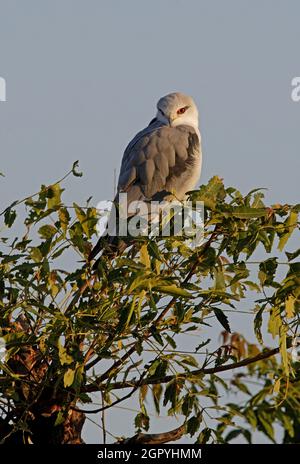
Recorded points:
(52,284)
(54,290)
(69,377)
(276,387)
(262,277)
(143,392)
(64,219)
(141,299)
(64,357)
(144,256)
(82,218)
(290,307)
(173,290)
(157,266)
(120,344)
(140,281)
(36,254)
(42,344)
(219,279)
(275,322)
(253,350)
(283,350)
(131,311)
(136,308)
(54,196)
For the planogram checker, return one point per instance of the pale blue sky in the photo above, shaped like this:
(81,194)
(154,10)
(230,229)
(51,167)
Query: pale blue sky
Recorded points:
(84,76)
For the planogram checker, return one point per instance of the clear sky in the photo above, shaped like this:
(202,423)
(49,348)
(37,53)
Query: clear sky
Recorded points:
(84,76)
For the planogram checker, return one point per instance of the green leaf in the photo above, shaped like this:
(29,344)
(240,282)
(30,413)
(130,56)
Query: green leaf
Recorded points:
(251,417)
(245,212)
(54,196)
(193,424)
(83,219)
(157,391)
(9,217)
(288,424)
(156,335)
(222,318)
(47,231)
(283,350)
(212,192)
(290,224)
(267,271)
(171,393)
(291,256)
(219,279)
(258,324)
(60,418)
(252,285)
(247,435)
(294,270)
(64,219)
(79,377)
(60,251)
(153,250)
(190,361)
(173,290)
(36,254)
(171,341)
(233,434)
(204,436)
(201,345)
(241,386)
(75,171)
(259,397)
(266,423)
(141,420)
(84,398)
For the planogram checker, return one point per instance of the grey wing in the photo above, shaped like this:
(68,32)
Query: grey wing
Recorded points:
(159,160)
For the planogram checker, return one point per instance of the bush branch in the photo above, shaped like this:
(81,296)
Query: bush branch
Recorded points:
(154,438)
(184,375)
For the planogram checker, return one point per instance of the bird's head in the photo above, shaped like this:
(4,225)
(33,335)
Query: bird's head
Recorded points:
(177,109)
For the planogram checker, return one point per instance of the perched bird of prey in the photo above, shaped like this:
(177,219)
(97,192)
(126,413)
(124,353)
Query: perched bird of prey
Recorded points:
(163,159)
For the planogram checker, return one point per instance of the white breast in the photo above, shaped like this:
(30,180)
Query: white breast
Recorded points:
(191,178)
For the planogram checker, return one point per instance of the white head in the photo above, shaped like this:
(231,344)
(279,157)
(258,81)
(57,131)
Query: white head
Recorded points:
(177,109)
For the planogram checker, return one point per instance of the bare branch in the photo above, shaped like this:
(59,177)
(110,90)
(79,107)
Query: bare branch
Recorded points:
(154,438)
(198,372)
(138,383)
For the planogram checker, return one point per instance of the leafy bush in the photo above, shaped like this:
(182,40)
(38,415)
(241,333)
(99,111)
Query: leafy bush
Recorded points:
(70,331)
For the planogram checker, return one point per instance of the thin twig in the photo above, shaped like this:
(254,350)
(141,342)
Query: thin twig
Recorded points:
(185,375)
(162,315)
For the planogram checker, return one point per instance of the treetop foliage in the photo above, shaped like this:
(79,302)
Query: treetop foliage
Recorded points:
(71,331)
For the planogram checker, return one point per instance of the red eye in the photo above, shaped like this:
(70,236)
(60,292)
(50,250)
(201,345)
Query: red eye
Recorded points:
(181,110)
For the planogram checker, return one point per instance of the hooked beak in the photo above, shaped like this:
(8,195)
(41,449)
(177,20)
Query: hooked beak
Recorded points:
(171,119)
